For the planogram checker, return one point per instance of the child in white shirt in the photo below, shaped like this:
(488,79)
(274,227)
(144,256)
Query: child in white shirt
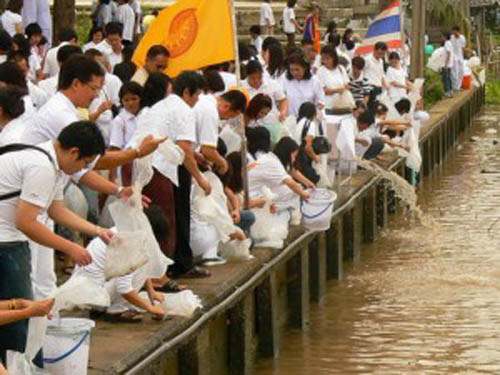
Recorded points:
(255,38)
(396,78)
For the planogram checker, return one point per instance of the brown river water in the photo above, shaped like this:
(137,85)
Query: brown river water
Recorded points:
(422,300)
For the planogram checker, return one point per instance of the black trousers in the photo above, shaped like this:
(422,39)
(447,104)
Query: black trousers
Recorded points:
(183,256)
(15,283)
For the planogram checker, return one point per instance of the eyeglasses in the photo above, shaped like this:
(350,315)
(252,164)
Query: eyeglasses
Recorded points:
(94,88)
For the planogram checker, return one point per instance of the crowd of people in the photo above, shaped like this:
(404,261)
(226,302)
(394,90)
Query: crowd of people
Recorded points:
(81,114)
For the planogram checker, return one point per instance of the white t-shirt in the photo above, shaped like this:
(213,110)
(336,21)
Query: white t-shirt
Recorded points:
(122,128)
(458,45)
(89,45)
(269,87)
(207,121)
(126,16)
(268,171)
(229,79)
(51,67)
(312,131)
(35,64)
(266,14)
(397,76)
(332,79)
(288,16)
(10,20)
(299,92)
(257,43)
(374,71)
(49,85)
(174,118)
(107,51)
(448,48)
(38,179)
(38,96)
(13,131)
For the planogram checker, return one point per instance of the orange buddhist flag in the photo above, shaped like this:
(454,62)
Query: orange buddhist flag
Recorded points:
(197,33)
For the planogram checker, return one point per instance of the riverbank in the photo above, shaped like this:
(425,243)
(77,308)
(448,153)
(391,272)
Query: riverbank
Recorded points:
(246,305)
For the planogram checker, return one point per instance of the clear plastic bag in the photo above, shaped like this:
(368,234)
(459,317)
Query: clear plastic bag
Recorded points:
(126,253)
(236,251)
(19,364)
(80,291)
(170,151)
(325,180)
(184,303)
(413,157)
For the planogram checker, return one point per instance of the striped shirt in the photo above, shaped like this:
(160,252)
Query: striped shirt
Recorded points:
(360,88)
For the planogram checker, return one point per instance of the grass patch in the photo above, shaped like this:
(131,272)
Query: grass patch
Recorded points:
(493,91)
(433,88)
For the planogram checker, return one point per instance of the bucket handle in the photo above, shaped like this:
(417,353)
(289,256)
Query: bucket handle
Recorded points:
(313,216)
(69,352)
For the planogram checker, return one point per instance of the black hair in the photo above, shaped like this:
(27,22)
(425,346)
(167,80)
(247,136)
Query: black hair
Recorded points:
(237,100)
(244,51)
(11,101)
(93,53)
(446,34)
(268,41)
(257,103)
(234,179)
(86,136)
(276,59)
(15,6)
(22,44)
(213,81)
(156,50)
(113,28)
(125,70)
(298,59)
(307,110)
(128,53)
(17,55)
(329,50)
(394,56)
(259,139)
(11,74)
(94,30)
(456,28)
(67,34)
(158,221)
(332,26)
(334,39)
(366,118)
(349,44)
(403,106)
(5,41)
(255,29)
(346,34)
(358,62)
(381,109)
(130,88)
(66,51)
(188,80)
(79,67)
(381,46)
(284,149)
(291,3)
(155,89)
(254,66)
(33,29)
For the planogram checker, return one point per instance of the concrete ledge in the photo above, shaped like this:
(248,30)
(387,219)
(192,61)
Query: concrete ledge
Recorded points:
(247,304)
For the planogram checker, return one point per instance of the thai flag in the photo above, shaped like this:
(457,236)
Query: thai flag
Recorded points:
(386,27)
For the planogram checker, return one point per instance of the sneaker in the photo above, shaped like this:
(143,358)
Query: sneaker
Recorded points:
(216,261)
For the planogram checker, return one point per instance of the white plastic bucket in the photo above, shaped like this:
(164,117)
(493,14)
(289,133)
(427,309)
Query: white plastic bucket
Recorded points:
(66,347)
(317,212)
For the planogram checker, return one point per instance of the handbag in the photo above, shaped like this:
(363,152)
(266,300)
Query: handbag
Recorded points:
(320,144)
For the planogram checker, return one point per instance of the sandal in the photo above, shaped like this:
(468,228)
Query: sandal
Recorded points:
(172,287)
(129,316)
(196,273)
(68,270)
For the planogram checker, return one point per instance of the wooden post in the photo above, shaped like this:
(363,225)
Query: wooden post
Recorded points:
(465,5)
(418,42)
(64,15)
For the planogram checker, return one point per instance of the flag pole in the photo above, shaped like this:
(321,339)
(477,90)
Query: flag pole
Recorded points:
(241,118)
(402,30)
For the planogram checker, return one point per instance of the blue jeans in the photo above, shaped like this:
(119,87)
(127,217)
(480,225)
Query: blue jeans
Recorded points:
(15,282)
(446,77)
(247,219)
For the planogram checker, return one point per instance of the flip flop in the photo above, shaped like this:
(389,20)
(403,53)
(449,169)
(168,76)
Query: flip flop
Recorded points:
(172,287)
(129,316)
(196,273)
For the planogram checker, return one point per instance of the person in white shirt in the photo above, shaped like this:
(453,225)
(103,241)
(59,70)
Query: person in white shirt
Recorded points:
(396,79)
(96,36)
(256,83)
(374,66)
(272,58)
(267,21)
(448,65)
(255,38)
(156,62)
(290,24)
(34,36)
(136,7)
(49,85)
(333,77)
(457,72)
(126,17)
(124,291)
(170,186)
(300,86)
(38,11)
(32,182)
(51,66)
(111,46)
(11,19)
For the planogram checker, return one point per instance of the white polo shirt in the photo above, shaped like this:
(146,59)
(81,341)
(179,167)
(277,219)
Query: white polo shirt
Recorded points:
(49,85)
(13,131)
(173,118)
(39,180)
(38,96)
(51,67)
(299,92)
(207,121)
(374,71)
(122,129)
(107,51)
(126,16)
(266,15)
(332,79)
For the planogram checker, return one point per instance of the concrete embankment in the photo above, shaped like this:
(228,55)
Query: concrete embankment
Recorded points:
(247,305)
